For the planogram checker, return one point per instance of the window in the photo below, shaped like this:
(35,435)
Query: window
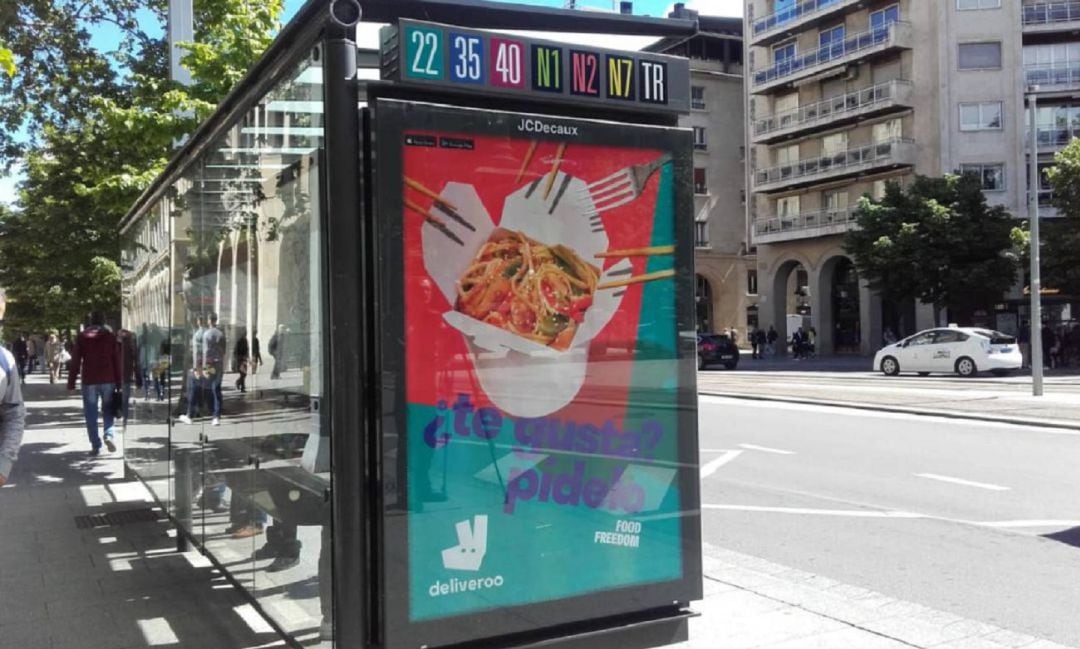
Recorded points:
(877,190)
(700,186)
(980,56)
(949,336)
(699,138)
(968,5)
(697,97)
(981,116)
(701,234)
(886,131)
(787,154)
(992,175)
(834,144)
(835,200)
(787,207)
(882,19)
(834,36)
(784,52)
(751,282)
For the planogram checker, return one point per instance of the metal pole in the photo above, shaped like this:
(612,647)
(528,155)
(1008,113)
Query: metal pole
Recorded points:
(1036,283)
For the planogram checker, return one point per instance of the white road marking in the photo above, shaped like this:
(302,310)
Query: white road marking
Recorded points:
(713,450)
(870,513)
(961,481)
(766,449)
(710,468)
(853,513)
(1034,523)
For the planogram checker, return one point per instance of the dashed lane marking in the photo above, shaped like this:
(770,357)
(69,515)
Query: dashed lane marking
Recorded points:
(961,481)
(711,467)
(766,449)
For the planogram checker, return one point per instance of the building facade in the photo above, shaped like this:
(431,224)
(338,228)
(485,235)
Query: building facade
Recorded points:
(726,267)
(845,95)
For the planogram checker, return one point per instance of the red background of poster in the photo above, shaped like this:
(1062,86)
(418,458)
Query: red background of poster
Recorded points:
(438,367)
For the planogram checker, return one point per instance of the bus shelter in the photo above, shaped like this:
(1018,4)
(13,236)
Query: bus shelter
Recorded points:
(416,332)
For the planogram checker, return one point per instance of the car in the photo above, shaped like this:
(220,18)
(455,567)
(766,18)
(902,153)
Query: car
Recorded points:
(962,350)
(716,349)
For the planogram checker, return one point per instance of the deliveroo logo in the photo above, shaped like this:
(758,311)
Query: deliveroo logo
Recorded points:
(469,553)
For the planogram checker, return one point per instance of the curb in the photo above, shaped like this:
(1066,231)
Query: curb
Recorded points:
(944,414)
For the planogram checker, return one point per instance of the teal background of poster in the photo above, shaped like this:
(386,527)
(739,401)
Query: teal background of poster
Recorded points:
(541,551)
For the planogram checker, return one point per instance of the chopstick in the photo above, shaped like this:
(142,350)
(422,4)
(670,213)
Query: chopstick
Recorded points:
(647,277)
(430,194)
(435,221)
(554,169)
(639,252)
(527,160)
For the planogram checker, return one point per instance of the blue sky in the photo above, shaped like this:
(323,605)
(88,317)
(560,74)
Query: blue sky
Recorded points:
(106,38)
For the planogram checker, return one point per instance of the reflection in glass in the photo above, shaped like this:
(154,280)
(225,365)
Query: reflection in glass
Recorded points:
(224,296)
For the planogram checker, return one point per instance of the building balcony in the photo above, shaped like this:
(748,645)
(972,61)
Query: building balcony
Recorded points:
(808,13)
(806,225)
(879,156)
(1052,139)
(868,44)
(1053,77)
(1046,17)
(835,111)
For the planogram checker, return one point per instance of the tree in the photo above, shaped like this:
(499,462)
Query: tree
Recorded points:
(936,241)
(1060,251)
(102,140)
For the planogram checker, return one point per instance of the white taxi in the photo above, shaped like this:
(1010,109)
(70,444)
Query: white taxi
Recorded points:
(963,350)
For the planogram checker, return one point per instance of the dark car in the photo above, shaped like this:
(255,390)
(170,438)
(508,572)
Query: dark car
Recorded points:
(716,349)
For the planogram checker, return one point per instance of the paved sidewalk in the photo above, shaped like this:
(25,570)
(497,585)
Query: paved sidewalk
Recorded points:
(109,587)
(123,586)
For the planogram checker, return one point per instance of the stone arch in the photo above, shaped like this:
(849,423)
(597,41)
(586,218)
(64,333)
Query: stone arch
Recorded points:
(840,313)
(781,275)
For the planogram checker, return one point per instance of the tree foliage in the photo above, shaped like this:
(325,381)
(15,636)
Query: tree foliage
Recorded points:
(936,241)
(1060,251)
(99,127)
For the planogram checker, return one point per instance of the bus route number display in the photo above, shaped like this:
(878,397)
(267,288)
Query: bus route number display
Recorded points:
(416,52)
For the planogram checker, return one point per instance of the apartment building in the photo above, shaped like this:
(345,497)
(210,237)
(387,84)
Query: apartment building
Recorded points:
(844,95)
(726,269)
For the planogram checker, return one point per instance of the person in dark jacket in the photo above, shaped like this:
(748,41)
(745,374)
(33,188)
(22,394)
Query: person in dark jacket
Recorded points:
(242,357)
(96,356)
(277,350)
(129,363)
(21,349)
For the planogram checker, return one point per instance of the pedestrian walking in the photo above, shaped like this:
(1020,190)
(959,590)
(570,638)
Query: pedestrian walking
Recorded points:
(129,363)
(31,353)
(21,350)
(12,408)
(811,342)
(1048,342)
(256,354)
(242,358)
(1024,341)
(770,341)
(54,355)
(754,342)
(195,386)
(96,357)
(797,344)
(214,354)
(277,350)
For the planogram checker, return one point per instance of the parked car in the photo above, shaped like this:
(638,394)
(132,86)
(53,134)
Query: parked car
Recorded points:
(963,350)
(716,349)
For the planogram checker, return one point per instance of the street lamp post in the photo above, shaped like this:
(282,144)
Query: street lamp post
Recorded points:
(1036,283)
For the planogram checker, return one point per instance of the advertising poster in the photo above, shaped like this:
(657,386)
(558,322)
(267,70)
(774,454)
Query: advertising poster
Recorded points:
(545,448)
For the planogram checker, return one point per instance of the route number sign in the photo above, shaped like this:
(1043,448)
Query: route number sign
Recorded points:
(475,61)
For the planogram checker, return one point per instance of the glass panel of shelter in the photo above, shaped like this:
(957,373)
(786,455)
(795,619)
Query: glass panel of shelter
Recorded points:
(145,266)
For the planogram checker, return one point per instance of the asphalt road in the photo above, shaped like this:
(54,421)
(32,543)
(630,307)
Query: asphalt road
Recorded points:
(977,519)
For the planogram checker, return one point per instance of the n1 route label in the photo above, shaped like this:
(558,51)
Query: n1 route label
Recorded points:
(434,54)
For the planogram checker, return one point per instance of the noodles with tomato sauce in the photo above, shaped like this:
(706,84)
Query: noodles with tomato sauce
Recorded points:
(537,291)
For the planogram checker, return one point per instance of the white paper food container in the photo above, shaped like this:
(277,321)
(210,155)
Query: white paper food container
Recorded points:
(520,376)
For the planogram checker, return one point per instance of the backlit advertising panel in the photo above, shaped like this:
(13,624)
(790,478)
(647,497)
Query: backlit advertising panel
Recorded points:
(539,432)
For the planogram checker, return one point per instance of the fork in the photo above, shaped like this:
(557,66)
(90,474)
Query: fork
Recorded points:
(623,186)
